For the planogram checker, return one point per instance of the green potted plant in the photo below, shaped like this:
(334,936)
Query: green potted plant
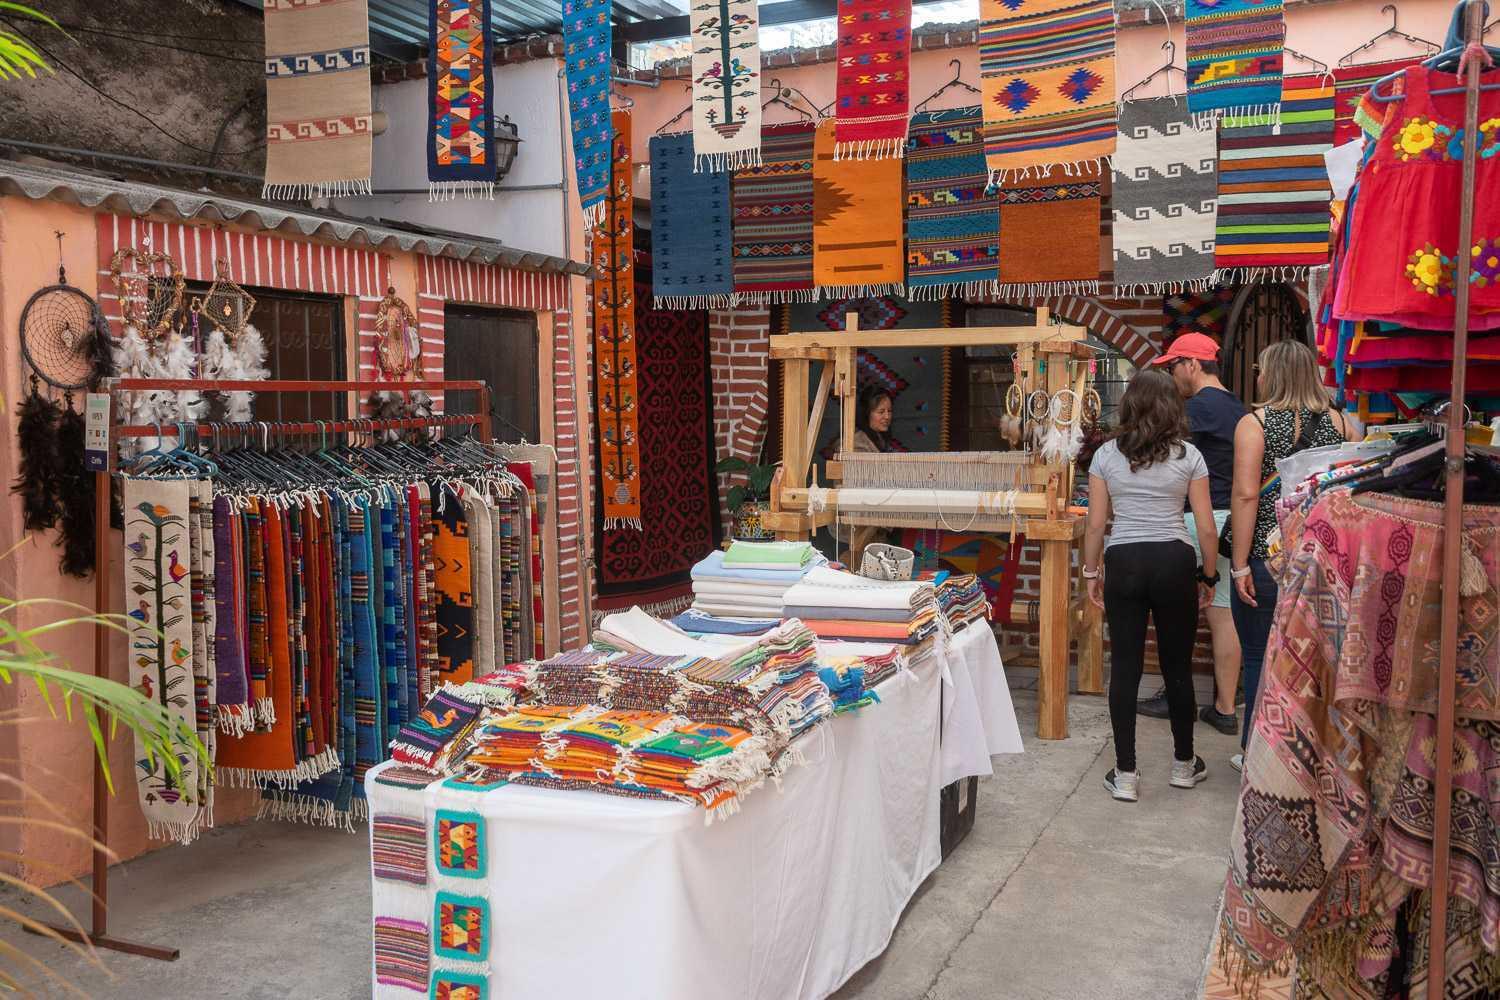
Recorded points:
(747,501)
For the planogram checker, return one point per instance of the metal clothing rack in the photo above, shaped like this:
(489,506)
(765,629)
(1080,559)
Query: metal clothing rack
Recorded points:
(98,934)
(1473,14)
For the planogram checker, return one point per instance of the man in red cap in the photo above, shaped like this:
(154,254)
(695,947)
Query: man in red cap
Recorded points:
(1213,412)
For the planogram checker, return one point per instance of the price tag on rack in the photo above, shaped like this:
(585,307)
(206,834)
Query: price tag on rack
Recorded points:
(96,432)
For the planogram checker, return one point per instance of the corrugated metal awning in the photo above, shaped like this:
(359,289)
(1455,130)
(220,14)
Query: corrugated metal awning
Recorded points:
(78,187)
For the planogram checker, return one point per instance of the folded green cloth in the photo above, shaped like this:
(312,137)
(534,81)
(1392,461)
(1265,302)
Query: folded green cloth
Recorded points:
(777,554)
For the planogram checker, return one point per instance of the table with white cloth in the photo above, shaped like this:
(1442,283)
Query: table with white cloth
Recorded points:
(597,895)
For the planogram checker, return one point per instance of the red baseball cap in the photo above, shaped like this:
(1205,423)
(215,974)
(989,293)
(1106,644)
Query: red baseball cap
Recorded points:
(1197,346)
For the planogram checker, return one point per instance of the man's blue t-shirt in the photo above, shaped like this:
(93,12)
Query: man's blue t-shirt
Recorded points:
(1213,414)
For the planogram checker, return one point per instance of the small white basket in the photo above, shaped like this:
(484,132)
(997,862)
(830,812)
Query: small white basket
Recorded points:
(887,562)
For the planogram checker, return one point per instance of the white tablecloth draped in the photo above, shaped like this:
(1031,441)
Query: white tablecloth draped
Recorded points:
(595,895)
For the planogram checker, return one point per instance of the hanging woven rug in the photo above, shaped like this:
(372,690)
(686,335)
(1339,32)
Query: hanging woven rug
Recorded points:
(773,218)
(614,343)
(857,226)
(461,138)
(952,223)
(1048,74)
(586,52)
(1164,198)
(1234,57)
(726,84)
(874,72)
(318,103)
(692,235)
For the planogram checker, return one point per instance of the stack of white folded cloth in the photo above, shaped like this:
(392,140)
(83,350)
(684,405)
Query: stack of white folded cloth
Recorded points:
(750,579)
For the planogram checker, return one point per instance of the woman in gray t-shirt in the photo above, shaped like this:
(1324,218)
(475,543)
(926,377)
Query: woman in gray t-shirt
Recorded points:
(1150,573)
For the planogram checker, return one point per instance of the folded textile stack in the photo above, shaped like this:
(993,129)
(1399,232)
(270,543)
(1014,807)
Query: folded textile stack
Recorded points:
(632,753)
(693,621)
(962,600)
(780,670)
(749,580)
(838,605)
(853,670)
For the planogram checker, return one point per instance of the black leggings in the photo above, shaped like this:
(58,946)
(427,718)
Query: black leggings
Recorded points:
(1159,580)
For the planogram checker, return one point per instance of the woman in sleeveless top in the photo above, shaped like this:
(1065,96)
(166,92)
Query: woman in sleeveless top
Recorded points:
(1295,415)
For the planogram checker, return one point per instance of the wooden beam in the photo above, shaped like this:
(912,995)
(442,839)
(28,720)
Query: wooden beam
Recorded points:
(1062,529)
(1052,685)
(795,451)
(1091,649)
(972,336)
(796,523)
(804,353)
(1027,504)
(820,405)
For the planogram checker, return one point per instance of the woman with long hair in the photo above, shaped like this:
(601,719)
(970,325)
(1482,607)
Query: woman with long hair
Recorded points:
(1143,476)
(875,408)
(1294,414)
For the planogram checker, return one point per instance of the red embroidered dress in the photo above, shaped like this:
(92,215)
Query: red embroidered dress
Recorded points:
(1401,256)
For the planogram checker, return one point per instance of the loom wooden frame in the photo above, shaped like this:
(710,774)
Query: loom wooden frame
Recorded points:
(98,933)
(1041,509)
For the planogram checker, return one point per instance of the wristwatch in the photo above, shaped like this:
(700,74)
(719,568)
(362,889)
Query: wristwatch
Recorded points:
(1208,581)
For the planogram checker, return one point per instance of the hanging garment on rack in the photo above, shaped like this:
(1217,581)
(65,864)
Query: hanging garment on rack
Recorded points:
(1402,246)
(455,589)
(158,517)
(1332,834)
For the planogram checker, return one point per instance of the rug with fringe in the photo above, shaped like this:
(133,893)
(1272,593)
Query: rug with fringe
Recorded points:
(587,37)
(319,107)
(1234,57)
(460,99)
(1048,74)
(773,218)
(857,223)
(1164,197)
(692,231)
(679,500)
(1351,84)
(615,390)
(952,221)
(1273,219)
(1049,235)
(725,36)
(873,52)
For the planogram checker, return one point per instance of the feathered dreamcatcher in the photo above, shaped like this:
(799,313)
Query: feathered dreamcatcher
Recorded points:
(219,342)
(66,347)
(399,350)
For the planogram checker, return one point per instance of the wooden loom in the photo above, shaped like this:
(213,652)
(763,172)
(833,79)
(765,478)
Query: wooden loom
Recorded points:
(999,492)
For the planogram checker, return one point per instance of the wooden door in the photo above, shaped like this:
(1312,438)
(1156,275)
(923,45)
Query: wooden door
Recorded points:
(500,347)
(1262,314)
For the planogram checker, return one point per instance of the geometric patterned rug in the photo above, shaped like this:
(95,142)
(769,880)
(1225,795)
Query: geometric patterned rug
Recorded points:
(1219,986)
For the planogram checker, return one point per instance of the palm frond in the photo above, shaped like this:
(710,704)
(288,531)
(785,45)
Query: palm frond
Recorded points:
(18,56)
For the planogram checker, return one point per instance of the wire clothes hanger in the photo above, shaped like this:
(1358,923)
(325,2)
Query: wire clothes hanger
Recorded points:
(779,95)
(1447,59)
(1393,31)
(1170,48)
(1323,67)
(958,68)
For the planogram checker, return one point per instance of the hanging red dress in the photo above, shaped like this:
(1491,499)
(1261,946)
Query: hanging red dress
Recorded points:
(1402,247)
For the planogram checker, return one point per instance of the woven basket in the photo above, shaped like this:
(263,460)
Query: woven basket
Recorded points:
(887,562)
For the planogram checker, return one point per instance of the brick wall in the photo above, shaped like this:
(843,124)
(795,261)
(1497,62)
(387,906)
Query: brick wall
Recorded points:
(738,346)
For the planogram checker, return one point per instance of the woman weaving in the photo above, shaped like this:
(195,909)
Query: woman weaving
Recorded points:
(874,410)
(1143,476)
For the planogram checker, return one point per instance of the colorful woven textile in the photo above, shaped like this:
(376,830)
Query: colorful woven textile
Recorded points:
(401,953)
(1273,189)
(952,222)
(1049,236)
(679,492)
(1164,198)
(773,219)
(615,390)
(587,37)
(1351,84)
(318,103)
(161,645)
(453,583)
(857,237)
(692,233)
(1048,69)
(1334,825)
(874,62)
(461,138)
(429,739)
(1234,57)
(726,84)
(1197,312)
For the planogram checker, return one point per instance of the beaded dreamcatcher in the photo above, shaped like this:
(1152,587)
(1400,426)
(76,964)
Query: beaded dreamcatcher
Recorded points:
(231,349)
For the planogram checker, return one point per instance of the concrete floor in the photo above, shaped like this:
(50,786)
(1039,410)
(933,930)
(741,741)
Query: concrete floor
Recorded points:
(1059,893)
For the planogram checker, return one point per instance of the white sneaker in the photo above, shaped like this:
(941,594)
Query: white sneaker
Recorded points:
(1238,762)
(1187,773)
(1123,785)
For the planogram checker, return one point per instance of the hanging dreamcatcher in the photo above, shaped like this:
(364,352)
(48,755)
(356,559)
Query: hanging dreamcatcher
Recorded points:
(149,284)
(230,349)
(399,349)
(66,347)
